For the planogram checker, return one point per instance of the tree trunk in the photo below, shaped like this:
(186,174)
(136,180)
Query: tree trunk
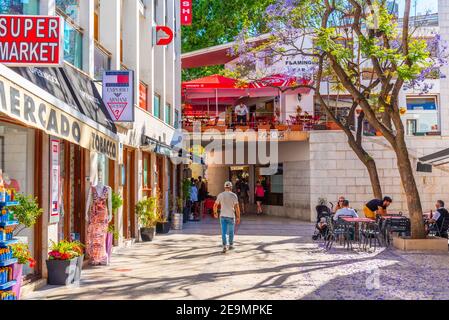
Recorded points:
(370,165)
(411,190)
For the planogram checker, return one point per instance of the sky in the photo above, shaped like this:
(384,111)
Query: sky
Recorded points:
(422,6)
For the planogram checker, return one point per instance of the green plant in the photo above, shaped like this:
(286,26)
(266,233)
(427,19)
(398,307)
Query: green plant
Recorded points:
(146,212)
(22,253)
(65,250)
(186,185)
(27,211)
(117,201)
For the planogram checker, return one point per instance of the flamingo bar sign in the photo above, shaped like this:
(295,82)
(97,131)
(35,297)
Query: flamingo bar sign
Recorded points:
(31,40)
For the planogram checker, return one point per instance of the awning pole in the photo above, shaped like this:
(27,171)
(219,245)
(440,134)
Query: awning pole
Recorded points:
(216,102)
(208,109)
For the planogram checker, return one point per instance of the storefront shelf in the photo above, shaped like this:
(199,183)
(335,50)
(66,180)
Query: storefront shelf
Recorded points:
(8,224)
(4,243)
(8,204)
(8,285)
(7,262)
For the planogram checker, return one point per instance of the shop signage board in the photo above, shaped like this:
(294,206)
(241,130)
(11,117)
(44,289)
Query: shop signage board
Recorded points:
(164,35)
(20,104)
(54,181)
(118,94)
(186,12)
(31,40)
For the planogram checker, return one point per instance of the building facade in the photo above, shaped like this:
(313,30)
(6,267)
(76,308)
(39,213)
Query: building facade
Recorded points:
(71,142)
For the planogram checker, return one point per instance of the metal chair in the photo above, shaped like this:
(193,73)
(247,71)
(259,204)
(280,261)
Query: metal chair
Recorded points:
(400,226)
(337,230)
(442,232)
(370,233)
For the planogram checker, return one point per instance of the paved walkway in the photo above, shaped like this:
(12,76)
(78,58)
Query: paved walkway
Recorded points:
(275,259)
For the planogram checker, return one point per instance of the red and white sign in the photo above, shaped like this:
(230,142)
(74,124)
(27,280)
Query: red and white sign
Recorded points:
(31,40)
(118,94)
(186,12)
(55,181)
(164,35)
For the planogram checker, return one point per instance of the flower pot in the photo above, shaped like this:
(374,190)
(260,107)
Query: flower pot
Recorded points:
(379,134)
(243,128)
(61,272)
(332,126)
(296,127)
(147,234)
(79,267)
(281,127)
(163,227)
(17,275)
(264,127)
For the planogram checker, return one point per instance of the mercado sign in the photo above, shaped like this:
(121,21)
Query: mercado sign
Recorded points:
(31,40)
(29,109)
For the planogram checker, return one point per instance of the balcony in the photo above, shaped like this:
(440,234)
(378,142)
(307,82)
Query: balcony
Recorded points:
(102,60)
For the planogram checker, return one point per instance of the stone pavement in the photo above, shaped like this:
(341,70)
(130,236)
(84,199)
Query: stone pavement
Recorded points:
(275,258)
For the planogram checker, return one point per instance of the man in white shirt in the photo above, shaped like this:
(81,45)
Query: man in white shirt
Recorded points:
(241,111)
(345,211)
(229,214)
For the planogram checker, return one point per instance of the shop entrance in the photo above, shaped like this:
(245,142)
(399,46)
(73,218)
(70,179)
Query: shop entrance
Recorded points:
(146,174)
(238,173)
(129,191)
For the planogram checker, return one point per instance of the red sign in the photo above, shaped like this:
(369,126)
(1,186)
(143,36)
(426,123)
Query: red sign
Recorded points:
(31,40)
(164,35)
(186,12)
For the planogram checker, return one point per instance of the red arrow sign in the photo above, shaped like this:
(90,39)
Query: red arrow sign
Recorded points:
(164,35)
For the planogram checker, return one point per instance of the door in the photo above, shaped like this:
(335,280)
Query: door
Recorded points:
(146,175)
(129,201)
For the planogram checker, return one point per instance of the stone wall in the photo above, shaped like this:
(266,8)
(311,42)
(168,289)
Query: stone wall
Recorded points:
(335,170)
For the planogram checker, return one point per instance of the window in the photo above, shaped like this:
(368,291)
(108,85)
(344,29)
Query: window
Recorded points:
(73,45)
(168,114)
(30,7)
(157,106)
(176,124)
(143,93)
(422,117)
(273,185)
(102,61)
(70,8)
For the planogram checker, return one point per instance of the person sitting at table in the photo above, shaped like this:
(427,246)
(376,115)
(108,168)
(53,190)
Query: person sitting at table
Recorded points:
(345,211)
(241,111)
(377,206)
(339,203)
(436,222)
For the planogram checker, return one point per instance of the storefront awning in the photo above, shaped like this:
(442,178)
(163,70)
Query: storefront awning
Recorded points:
(153,145)
(74,88)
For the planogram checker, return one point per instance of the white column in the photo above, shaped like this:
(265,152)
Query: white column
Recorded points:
(47,7)
(443,17)
(87,8)
(160,61)
(131,41)
(109,25)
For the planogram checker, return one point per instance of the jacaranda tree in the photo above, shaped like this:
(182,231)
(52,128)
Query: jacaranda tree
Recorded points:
(370,53)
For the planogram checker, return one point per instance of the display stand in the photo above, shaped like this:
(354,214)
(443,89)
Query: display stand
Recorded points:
(8,264)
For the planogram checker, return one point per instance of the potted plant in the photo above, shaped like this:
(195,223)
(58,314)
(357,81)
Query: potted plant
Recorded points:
(63,262)
(117,202)
(148,218)
(280,126)
(26,212)
(162,225)
(186,188)
(22,253)
(264,126)
(78,247)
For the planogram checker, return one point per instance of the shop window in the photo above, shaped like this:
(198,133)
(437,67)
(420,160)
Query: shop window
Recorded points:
(143,94)
(168,114)
(73,45)
(17,165)
(422,117)
(340,106)
(70,8)
(29,7)
(157,106)
(103,168)
(273,185)
(102,61)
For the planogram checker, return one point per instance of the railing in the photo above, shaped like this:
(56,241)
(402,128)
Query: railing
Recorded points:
(102,60)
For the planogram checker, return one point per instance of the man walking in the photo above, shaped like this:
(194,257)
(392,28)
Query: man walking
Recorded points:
(229,214)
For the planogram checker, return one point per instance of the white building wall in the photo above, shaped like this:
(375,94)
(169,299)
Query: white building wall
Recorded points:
(443,14)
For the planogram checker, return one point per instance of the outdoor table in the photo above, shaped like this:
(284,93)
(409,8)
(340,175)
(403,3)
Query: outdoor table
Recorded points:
(356,221)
